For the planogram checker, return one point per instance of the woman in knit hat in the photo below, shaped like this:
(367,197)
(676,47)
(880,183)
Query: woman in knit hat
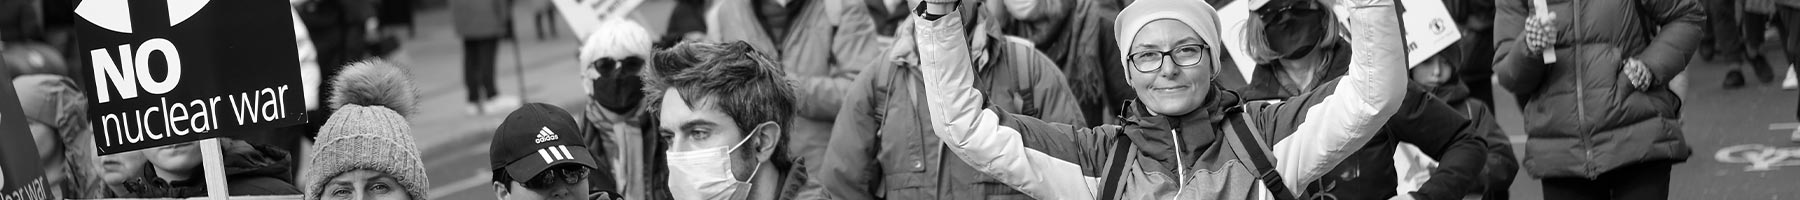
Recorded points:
(1185,137)
(366,149)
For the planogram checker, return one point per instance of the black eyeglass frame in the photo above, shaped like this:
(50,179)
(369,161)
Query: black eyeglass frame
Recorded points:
(1137,64)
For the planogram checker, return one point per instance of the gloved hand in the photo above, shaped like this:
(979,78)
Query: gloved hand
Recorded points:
(1540,32)
(1638,74)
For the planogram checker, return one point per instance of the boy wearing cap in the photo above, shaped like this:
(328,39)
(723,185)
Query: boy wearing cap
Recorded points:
(721,107)
(537,153)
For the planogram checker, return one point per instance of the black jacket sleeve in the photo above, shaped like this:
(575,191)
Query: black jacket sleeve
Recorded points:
(1446,135)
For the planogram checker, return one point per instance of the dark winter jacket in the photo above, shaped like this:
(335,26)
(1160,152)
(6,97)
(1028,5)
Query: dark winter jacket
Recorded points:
(249,170)
(1439,130)
(482,19)
(882,145)
(1583,117)
(1502,165)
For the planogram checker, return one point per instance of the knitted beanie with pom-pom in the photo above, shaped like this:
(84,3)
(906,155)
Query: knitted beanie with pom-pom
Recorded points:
(369,131)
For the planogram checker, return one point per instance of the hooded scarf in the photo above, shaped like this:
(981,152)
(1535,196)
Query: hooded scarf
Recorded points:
(1197,129)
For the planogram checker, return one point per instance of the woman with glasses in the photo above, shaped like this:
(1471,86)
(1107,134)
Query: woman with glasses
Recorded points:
(1185,137)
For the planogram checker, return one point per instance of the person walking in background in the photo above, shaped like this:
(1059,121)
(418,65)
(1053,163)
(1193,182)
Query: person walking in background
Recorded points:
(1788,15)
(883,145)
(1753,20)
(821,44)
(366,150)
(722,108)
(482,25)
(1602,121)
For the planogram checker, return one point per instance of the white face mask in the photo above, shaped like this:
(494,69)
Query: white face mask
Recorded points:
(705,174)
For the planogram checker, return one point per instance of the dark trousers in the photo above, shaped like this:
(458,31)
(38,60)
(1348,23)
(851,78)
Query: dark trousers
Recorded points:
(478,68)
(1789,25)
(1721,20)
(1643,181)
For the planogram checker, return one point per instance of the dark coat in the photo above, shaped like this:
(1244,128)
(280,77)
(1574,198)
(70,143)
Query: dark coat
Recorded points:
(1583,117)
(482,19)
(881,145)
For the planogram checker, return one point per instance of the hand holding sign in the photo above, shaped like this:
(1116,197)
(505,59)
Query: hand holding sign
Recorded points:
(1540,31)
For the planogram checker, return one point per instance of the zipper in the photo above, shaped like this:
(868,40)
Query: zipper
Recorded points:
(1581,96)
(1180,170)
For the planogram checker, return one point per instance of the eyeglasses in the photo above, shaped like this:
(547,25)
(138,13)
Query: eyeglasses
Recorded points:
(561,174)
(1185,56)
(614,67)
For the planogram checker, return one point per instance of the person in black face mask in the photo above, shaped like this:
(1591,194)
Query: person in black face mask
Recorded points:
(611,58)
(1298,46)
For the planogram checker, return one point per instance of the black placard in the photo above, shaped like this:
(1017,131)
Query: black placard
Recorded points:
(198,68)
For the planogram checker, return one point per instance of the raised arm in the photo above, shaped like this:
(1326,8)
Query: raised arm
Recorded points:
(977,136)
(1339,119)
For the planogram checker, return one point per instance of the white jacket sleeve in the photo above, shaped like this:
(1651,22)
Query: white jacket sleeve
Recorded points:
(976,136)
(1368,94)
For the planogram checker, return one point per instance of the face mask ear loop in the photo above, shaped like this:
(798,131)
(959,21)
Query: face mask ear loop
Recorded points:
(753,169)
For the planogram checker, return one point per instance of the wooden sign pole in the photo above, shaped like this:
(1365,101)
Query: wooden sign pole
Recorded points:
(1543,9)
(212,161)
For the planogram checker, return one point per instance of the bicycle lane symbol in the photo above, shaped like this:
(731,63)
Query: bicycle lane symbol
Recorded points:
(1762,157)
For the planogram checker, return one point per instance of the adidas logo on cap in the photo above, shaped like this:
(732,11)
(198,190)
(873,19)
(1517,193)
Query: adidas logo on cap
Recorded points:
(545,135)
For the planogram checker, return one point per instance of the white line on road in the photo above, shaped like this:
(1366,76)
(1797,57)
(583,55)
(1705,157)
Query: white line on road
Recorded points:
(1780,126)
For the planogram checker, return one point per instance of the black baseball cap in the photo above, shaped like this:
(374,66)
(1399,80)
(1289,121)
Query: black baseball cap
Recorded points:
(535,137)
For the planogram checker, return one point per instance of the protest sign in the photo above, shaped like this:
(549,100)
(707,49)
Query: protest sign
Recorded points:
(1429,29)
(169,71)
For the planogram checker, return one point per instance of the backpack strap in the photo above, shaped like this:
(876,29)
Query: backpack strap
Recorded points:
(1115,168)
(1251,149)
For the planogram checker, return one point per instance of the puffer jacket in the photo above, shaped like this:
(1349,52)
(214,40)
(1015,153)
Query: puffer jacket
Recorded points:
(824,46)
(1310,133)
(883,146)
(1583,117)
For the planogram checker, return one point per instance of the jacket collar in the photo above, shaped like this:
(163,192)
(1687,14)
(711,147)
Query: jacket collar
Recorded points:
(1151,133)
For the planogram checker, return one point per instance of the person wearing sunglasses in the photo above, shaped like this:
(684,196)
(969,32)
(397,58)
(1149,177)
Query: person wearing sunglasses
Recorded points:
(538,153)
(1185,137)
(1298,46)
(721,107)
(612,56)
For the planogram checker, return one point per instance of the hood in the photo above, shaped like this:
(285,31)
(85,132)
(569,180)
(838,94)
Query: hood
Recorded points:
(243,159)
(1266,84)
(1150,132)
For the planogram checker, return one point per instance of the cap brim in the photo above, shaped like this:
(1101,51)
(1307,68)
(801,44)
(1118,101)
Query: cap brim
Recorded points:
(526,168)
